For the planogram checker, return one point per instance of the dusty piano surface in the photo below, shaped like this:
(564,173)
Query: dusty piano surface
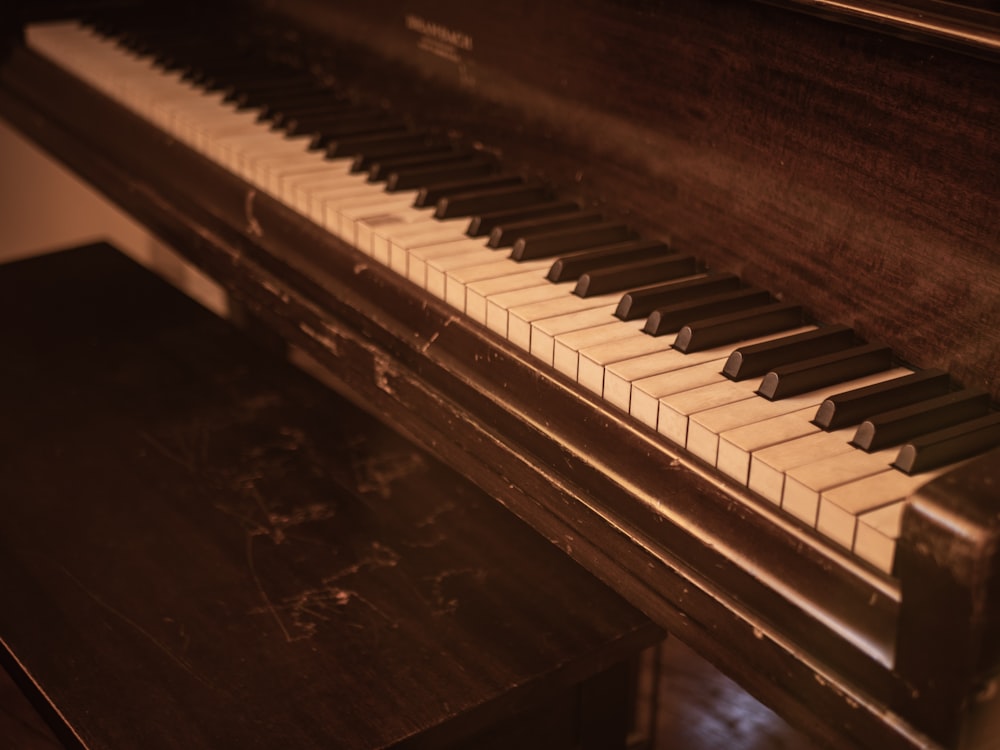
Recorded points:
(851,173)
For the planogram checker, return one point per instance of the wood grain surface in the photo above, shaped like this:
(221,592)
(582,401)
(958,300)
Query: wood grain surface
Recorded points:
(202,547)
(842,168)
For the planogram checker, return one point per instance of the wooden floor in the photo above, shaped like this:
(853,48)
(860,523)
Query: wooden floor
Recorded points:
(699,709)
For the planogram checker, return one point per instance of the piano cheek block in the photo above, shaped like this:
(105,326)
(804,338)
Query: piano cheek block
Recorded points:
(948,560)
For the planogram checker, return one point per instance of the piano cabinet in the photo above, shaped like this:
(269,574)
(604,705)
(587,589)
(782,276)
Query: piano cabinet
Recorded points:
(847,168)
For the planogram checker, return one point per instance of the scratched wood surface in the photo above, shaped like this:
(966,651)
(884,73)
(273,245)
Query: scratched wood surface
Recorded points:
(201,547)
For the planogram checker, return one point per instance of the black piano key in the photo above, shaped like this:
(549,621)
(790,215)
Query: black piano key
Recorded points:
(257,99)
(506,234)
(753,361)
(265,76)
(350,120)
(430,195)
(213,56)
(937,449)
(383,168)
(352,145)
(311,101)
(412,179)
(573,266)
(907,422)
(640,303)
(329,138)
(278,111)
(306,121)
(635,274)
(481,201)
(673,318)
(851,407)
(532,246)
(136,42)
(828,369)
(180,58)
(250,88)
(483,225)
(349,145)
(748,324)
(284,119)
(171,57)
(407,145)
(218,77)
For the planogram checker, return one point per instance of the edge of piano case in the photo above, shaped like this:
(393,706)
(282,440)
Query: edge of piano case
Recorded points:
(809,632)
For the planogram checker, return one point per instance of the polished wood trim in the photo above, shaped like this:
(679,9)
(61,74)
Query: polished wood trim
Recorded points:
(962,27)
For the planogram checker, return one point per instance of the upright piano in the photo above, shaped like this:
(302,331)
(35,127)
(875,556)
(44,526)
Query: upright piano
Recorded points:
(707,292)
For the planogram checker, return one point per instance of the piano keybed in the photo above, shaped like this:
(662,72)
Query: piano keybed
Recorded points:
(831,430)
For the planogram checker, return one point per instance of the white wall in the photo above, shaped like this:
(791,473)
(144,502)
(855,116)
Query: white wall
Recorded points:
(44,207)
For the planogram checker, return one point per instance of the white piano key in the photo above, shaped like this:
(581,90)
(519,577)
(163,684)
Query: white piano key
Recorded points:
(438,267)
(201,128)
(163,102)
(768,465)
(382,230)
(256,156)
(419,235)
(353,212)
(332,193)
(878,531)
(289,180)
(258,165)
(673,421)
(645,394)
(567,346)
(737,446)
(420,221)
(478,292)
(804,484)
(227,148)
(544,332)
(193,118)
(620,376)
(272,169)
(520,319)
(706,427)
(303,188)
(841,507)
(262,143)
(368,227)
(412,261)
(415,221)
(498,304)
(592,361)
(56,39)
(67,43)
(505,275)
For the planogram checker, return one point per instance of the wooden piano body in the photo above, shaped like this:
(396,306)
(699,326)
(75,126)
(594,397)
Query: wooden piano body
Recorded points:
(848,166)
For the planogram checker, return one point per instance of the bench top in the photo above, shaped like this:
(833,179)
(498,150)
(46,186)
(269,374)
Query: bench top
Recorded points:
(203,547)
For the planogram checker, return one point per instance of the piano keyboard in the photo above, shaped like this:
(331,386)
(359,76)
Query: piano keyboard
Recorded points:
(831,430)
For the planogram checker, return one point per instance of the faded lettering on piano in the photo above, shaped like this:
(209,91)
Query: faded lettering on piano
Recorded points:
(444,42)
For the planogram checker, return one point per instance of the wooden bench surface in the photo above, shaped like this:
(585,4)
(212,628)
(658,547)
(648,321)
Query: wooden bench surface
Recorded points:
(202,547)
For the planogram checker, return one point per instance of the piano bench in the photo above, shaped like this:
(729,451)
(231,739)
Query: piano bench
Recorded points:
(203,547)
